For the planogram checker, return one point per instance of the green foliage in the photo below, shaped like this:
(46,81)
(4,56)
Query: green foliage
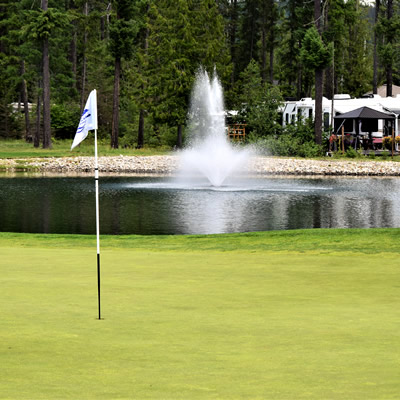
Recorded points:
(351,153)
(64,119)
(258,104)
(385,154)
(314,53)
(123,29)
(40,24)
(294,79)
(292,141)
(387,53)
(162,44)
(178,32)
(388,29)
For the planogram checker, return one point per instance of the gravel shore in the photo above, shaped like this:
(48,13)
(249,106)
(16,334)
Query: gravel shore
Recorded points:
(169,164)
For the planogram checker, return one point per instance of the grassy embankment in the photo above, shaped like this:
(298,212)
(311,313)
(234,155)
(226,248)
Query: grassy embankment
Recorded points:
(281,315)
(61,148)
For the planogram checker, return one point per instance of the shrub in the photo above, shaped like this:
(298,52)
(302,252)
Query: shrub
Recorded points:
(292,140)
(385,155)
(64,120)
(288,146)
(351,153)
(258,103)
(387,142)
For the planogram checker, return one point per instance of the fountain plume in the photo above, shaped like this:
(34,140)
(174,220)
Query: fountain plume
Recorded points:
(209,152)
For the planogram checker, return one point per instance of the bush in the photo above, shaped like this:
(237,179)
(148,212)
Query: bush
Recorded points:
(292,141)
(64,120)
(258,103)
(351,153)
(385,155)
(387,142)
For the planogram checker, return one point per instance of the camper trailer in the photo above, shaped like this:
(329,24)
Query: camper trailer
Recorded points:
(341,104)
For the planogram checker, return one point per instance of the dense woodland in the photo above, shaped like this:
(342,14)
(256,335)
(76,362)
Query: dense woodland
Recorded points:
(142,57)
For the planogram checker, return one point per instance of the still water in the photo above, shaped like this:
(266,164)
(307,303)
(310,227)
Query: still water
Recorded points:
(143,205)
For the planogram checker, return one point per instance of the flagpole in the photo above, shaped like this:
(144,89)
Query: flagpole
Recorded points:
(96,178)
(87,123)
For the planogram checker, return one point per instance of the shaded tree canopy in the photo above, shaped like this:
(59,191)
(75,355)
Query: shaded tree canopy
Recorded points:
(152,50)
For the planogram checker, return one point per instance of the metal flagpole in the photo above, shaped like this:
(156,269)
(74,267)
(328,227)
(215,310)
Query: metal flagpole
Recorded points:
(87,123)
(96,177)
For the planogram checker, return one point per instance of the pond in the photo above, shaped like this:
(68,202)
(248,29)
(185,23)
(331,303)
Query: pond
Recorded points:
(159,205)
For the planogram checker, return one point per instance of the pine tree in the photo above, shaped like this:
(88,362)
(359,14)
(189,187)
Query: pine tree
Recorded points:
(184,35)
(388,28)
(46,80)
(259,102)
(123,31)
(316,56)
(294,80)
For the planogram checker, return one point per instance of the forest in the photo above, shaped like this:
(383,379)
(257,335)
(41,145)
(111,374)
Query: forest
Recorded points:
(142,56)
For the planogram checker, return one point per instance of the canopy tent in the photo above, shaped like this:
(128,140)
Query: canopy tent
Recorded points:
(365,118)
(365,113)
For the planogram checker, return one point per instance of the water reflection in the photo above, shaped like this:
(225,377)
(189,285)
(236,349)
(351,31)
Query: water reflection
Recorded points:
(164,206)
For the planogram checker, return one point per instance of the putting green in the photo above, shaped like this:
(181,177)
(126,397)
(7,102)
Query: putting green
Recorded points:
(224,317)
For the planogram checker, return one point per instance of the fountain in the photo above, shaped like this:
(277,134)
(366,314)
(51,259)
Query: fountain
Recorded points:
(209,152)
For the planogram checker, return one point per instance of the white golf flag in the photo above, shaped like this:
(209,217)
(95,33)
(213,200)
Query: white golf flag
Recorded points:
(88,119)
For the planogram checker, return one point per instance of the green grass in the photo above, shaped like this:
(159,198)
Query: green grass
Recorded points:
(279,315)
(61,148)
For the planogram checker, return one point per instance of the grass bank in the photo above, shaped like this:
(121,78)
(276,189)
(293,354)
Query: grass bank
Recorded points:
(277,315)
(61,148)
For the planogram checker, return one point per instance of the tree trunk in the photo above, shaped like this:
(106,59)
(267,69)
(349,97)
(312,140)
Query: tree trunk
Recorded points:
(263,43)
(145,43)
(179,141)
(234,21)
(36,138)
(319,80)
(375,77)
(140,140)
(115,118)
(83,88)
(72,54)
(389,81)
(389,68)
(24,92)
(46,88)
(264,54)
(271,64)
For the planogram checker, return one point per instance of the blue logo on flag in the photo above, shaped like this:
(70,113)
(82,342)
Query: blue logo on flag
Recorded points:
(83,120)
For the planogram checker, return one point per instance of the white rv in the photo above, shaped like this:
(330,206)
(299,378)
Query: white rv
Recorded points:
(342,103)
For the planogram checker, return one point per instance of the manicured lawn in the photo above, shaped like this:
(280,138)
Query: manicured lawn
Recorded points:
(280,315)
(61,148)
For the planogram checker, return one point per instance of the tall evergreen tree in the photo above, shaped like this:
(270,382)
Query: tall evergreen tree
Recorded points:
(46,79)
(389,29)
(294,80)
(357,55)
(319,78)
(375,54)
(142,59)
(184,35)
(316,56)
(123,31)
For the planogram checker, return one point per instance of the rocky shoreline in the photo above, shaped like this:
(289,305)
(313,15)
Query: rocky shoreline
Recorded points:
(169,164)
